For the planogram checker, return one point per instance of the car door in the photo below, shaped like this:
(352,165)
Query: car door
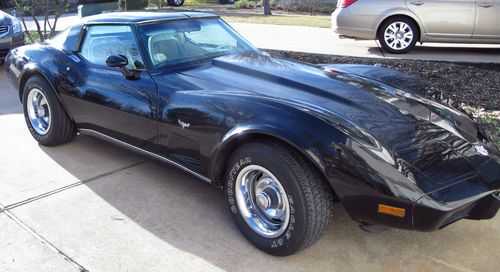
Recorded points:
(445,18)
(106,101)
(487,20)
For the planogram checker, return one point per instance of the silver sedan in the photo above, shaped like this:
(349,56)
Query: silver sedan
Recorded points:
(400,24)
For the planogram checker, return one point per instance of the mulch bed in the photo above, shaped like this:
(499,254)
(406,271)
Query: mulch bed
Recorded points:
(474,85)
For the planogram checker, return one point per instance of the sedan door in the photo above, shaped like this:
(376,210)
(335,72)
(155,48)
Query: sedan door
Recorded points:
(445,18)
(104,99)
(488,19)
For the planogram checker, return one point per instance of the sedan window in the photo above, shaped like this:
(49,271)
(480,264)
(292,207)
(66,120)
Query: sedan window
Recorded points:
(103,41)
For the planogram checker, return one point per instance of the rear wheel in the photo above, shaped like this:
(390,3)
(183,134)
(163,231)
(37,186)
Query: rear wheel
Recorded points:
(46,118)
(398,35)
(175,3)
(227,2)
(277,198)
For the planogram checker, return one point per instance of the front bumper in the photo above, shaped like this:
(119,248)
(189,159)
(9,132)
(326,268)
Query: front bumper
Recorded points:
(430,215)
(432,218)
(10,40)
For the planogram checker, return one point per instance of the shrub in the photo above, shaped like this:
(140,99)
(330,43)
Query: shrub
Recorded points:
(133,4)
(95,1)
(244,4)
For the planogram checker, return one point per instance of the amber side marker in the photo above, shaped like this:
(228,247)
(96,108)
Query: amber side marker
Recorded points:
(395,211)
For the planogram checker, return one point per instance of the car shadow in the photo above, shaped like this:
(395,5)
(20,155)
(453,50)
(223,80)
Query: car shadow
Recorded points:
(192,216)
(456,54)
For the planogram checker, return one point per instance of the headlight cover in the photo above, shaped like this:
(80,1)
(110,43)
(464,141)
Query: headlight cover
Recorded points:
(16,26)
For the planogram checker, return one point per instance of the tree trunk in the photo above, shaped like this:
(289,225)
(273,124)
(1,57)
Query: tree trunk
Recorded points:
(267,7)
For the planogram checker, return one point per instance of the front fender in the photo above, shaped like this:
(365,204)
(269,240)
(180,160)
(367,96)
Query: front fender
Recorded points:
(302,131)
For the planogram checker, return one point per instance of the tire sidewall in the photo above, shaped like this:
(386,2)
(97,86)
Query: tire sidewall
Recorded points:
(291,238)
(411,24)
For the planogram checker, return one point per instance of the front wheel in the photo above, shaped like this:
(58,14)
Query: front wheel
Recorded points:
(398,35)
(227,2)
(278,200)
(175,3)
(46,118)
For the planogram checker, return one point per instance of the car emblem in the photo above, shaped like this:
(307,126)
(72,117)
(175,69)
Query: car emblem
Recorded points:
(183,124)
(481,150)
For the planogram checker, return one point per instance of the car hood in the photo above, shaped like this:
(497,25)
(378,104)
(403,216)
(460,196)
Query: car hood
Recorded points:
(437,142)
(5,19)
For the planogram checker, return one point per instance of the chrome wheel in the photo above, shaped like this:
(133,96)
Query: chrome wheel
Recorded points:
(262,201)
(178,2)
(398,35)
(38,111)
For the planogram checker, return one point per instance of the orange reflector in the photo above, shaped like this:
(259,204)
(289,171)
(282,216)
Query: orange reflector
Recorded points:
(399,212)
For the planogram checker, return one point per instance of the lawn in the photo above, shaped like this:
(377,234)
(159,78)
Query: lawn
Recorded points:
(296,20)
(255,15)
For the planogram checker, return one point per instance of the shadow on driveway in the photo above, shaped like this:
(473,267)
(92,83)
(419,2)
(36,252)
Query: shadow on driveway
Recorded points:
(192,216)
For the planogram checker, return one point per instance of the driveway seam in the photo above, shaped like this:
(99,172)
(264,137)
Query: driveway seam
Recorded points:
(42,240)
(64,188)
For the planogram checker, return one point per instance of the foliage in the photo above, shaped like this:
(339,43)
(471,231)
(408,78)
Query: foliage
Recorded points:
(132,4)
(95,1)
(45,27)
(157,3)
(245,4)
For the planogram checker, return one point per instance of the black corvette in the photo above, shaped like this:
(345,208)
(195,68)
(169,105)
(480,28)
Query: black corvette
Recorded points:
(284,140)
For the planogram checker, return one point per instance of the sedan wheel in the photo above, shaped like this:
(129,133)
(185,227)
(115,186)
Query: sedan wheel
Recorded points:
(279,201)
(398,35)
(175,3)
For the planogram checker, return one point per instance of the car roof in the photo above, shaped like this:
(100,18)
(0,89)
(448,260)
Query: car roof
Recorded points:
(143,17)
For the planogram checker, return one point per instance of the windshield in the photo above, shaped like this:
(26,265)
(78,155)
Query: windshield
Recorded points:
(192,40)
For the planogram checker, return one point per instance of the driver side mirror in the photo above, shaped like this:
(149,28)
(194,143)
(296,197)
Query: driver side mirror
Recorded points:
(116,61)
(121,62)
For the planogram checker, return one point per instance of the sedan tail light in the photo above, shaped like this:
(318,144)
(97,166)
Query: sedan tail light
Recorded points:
(345,3)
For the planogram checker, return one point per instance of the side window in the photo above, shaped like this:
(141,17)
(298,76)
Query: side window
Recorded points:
(103,41)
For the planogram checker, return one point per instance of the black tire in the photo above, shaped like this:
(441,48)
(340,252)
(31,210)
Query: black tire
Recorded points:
(175,3)
(310,197)
(225,2)
(386,47)
(62,129)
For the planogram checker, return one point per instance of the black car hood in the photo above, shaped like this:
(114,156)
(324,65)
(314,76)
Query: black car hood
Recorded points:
(439,143)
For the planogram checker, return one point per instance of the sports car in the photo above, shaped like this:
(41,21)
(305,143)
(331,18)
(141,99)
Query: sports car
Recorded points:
(284,140)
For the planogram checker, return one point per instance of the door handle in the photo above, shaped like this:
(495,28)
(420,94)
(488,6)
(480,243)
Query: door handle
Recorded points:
(485,5)
(417,3)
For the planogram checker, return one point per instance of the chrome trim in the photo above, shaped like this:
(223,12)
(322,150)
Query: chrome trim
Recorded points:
(4,30)
(262,201)
(105,137)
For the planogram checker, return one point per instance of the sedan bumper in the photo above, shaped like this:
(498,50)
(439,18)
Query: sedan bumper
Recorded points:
(9,41)
(348,25)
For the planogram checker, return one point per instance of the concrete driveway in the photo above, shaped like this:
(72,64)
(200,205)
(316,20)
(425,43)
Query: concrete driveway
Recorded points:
(324,41)
(89,205)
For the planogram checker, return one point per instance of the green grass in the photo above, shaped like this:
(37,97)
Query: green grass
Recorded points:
(232,14)
(296,20)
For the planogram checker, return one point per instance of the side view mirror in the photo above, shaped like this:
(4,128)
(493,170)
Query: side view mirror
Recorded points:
(121,62)
(116,61)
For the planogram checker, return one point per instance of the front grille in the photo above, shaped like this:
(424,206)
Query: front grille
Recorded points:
(4,29)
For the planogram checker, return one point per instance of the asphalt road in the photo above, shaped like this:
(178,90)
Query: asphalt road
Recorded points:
(91,205)
(323,41)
